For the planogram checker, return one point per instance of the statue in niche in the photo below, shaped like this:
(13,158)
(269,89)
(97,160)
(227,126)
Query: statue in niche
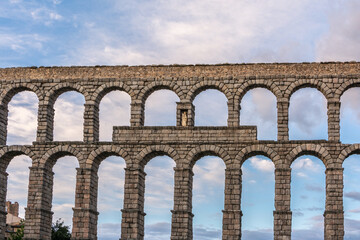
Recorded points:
(184,119)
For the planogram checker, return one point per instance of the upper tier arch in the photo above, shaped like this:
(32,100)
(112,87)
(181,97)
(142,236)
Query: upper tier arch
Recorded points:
(61,88)
(258,83)
(208,84)
(345,86)
(13,89)
(148,89)
(305,83)
(309,149)
(104,89)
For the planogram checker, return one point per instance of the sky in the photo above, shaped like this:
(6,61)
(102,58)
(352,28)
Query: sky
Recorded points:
(118,32)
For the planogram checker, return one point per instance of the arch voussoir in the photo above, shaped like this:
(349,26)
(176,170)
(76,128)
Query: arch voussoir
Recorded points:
(207,150)
(98,155)
(60,88)
(209,84)
(9,152)
(348,151)
(312,83)
(258,149)
(310,149)
(149,152)
(50,157)
(104,89)
(14,89)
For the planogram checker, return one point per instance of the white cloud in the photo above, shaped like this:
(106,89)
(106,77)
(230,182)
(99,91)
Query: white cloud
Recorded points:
(305,164)
(68,119)
(210,108)
(342,41)
(159,183)
(209,179)
(308,115)
(202,32)
(262,165)
(258,107)
(21,43)
(17,186)
(160,108)
(64,188)
(350,103)
(22,118)
(114,111)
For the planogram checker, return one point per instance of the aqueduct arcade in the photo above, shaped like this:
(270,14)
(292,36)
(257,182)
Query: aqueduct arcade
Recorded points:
(184,143)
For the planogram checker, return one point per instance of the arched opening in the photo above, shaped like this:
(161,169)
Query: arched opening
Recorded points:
(114,111)
(308,115)
(160,108)
(208,197)
(350,116)
(211,108)
(159,195)
(307,198)
(111,175)
(258,107)
(64,185)
(352,196)
(257,198)
(69,117)
(22,118)
(17,190)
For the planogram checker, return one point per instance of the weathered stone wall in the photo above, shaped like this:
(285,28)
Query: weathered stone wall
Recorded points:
(184,144)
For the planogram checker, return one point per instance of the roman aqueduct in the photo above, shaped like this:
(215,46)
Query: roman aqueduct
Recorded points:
(184,143)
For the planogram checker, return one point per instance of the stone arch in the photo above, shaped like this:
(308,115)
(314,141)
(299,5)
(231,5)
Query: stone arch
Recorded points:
(207,150)
(254,150)
(61,88)
(104,89)
(99,154)
(309,149)
(52,155)
(258,83)
(209,84)
(156,150)
(312,83)
(9,152)
(14,89)
(347,152)
(346,85)
(154,86)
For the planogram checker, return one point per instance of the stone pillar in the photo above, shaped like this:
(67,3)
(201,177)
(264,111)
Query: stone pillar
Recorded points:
(45,127)
(182,217)
(3,189)
(85,211)
(233,113)
(132,225)
(282,213)
(283,120)
(189,109)
(334,212)
(137,114)
(3,124)
(38,215)
(91,123)
(333,121)
(232,213)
